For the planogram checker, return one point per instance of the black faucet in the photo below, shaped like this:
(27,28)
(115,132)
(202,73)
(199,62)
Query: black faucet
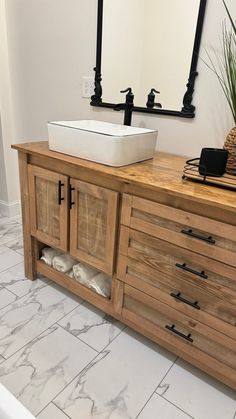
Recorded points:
(151,100)
(127,106)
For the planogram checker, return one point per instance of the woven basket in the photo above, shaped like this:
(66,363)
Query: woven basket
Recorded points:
(230,145)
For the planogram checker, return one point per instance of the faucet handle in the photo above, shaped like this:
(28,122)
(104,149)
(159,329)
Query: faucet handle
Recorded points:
(129,90)
(129,97)
(154,90)
(151,99)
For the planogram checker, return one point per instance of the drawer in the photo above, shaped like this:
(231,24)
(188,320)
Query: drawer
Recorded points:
(202,235)
(179,327)
(192,283)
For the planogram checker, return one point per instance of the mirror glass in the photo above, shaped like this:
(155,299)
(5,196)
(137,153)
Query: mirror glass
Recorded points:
(147,44)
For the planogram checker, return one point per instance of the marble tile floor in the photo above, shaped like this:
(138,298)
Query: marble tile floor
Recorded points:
(62,358)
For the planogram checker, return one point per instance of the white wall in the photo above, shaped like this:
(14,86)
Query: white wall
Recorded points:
(8,161)
(52,44)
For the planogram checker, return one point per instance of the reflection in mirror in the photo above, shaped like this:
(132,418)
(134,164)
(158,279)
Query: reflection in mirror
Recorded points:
(148,44)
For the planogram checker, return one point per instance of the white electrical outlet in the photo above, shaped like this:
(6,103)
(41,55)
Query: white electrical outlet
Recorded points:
(87,86)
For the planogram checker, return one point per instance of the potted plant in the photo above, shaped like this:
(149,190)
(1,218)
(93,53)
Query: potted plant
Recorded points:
(226,74)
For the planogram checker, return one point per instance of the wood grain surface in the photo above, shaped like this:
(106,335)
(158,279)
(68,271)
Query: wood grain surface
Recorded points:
(162,173)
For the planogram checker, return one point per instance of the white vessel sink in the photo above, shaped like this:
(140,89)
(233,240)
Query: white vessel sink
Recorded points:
(102,142)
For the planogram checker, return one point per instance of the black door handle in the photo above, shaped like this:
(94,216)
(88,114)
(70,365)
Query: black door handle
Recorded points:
(178,297)
(70,202)
(192,271)
(60,199)
(182,335)
(191,233)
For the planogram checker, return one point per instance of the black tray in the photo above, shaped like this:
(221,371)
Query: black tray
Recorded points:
(191,172)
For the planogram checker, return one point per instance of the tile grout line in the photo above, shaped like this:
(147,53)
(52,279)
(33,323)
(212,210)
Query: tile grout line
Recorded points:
(61,327)
(156,387)
(80,372)
(13,266)
(61,410)
(27,293)
(56,408)
(84,368)
(81,340)
(49,327)
(11,292)
(177,407)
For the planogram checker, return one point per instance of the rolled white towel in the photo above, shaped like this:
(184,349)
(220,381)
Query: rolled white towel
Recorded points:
(70,273)
(101,283)
(63,263)
(83,273)
(48,253)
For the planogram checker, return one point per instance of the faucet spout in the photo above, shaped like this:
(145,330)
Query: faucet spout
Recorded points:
(119,107)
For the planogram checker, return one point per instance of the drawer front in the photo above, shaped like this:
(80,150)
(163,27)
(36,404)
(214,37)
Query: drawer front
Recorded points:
(200,234)
(180,278)
(184,329)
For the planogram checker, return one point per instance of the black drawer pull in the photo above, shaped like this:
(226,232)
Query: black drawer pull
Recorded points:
(192,271)
(178,297)
(70,203)
(172,329)
(60,184)
(190,232)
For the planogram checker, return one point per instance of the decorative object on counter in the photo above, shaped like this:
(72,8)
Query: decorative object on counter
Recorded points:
(191,172)
(213,161)
(48,253)
(230,145)
(226,74)
(151,100)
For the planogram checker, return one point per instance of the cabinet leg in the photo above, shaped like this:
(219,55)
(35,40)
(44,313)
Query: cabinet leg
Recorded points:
(117,295)
(30,246)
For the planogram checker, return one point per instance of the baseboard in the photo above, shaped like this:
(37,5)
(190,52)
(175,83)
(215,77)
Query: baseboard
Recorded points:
(9,209)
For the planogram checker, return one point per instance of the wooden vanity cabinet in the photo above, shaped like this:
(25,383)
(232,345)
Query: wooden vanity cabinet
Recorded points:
(169,245)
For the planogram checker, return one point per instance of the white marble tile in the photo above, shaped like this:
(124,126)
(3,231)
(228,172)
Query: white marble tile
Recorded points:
(9,230)
(22,321)
(52,412)
(118,382)
(14,280)
(197,393)
(17,218)
(92,326)
(157,407)
(16,245)
(4,220)
(40,370)
(3,249)
(6,297)
(1,359)
(8,258)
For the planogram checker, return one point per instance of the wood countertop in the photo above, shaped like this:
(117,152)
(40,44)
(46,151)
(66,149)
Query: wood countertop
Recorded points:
(162,173)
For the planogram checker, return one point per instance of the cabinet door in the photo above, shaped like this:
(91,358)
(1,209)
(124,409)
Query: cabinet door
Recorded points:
(48,206)
(93,225)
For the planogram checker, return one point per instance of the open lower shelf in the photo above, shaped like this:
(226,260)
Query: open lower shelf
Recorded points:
(75,287)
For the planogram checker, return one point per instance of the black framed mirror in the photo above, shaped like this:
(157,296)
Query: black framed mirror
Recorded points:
(142,45)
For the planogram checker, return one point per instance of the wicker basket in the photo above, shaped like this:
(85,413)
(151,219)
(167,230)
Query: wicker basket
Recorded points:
(230,145)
